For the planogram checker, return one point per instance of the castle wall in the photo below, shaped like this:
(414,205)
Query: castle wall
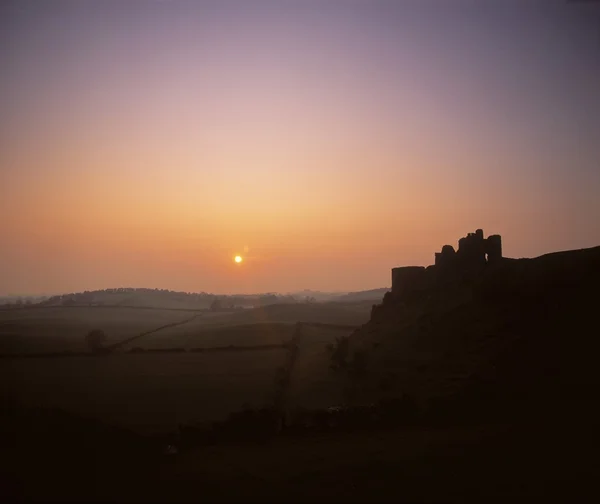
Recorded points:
(407,279)
(474,252)
(493,248)
(471,250)
(445,257)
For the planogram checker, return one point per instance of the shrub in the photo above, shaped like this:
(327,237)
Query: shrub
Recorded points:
(95,340)
(340,352)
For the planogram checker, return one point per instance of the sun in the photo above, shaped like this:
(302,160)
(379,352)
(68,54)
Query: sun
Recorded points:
(238,259)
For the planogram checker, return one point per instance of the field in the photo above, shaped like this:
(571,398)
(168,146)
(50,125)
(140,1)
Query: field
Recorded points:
(58,329)
(327,313)
(200,334)
(146,392)
(313,384)
(154,391)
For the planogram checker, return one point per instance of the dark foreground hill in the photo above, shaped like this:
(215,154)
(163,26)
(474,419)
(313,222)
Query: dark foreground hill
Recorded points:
(49,454)
(523,332)
(529,458)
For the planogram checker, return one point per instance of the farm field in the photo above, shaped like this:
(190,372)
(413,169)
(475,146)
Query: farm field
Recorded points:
(146,392)
(58,329)
(271,325)
(313,384)
(354,314)
(157,391)
(200,334)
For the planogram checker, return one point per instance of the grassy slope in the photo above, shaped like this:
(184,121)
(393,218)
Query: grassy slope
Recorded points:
(202,334)
(154,391)
(373,296)
(58,329)
(472,464)
(313,384)
(523,331)
(146,392)
(55,329)
(328,313)
(272,324)
(491,463)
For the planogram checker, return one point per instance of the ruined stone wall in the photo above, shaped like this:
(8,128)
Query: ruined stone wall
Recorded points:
(407,279)
(471,250)
(446,257)
(493,248)
(474,252)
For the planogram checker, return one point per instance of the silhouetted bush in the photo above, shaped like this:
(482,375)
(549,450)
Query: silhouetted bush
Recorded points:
(95,340)
(340,352)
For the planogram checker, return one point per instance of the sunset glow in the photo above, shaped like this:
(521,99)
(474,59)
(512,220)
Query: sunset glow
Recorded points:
(141,143)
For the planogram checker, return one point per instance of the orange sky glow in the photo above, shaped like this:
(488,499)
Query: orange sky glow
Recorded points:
(147,146)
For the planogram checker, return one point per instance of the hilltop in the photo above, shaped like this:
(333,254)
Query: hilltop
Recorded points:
(359,296)
(178,300)
(515,332)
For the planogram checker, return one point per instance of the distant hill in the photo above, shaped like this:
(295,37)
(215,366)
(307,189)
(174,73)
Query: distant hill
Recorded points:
(368,295)
(163,298)
(154,298)
(22,300)
(317,296)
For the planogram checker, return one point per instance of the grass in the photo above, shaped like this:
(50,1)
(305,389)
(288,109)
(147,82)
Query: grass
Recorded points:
(152,391)
(56,329)
(515,458)
(392,465)
(200,334)
(328,313)
(313,383)
(148,392)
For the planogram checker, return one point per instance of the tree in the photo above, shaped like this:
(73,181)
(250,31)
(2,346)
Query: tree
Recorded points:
(339,352)
(95,340)
(68,301)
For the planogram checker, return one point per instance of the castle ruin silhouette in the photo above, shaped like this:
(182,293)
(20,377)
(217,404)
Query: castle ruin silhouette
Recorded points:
(474,253)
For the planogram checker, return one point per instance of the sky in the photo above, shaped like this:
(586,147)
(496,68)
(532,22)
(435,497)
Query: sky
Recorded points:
(146,143)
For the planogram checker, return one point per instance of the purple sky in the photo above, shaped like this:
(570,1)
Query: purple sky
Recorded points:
(145,143)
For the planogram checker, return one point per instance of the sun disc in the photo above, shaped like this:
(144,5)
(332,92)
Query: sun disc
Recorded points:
(238,259)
